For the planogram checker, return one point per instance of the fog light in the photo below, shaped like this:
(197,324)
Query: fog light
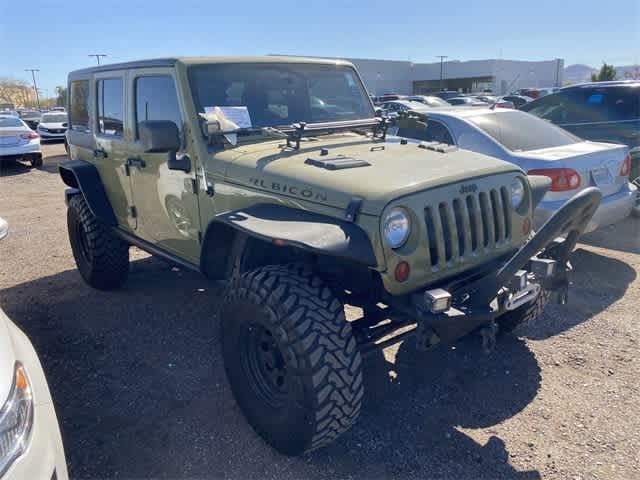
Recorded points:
(438,300)
(543,267)
(402,271)
(520,279)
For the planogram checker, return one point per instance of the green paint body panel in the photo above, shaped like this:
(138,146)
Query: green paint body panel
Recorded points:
(169,213)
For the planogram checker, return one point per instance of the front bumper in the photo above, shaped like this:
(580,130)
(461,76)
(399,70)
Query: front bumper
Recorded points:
(48,135)
(45,454)
(480,298)
(612,209)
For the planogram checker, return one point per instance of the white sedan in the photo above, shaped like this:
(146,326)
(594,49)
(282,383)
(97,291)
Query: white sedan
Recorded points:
(539,148)
(18,141)
(30,441)
(53,126)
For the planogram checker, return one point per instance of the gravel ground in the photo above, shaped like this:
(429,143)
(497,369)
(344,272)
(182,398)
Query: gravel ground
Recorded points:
(141,393)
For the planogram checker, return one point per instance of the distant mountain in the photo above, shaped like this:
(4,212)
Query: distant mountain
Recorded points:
(578,73)
(582,73)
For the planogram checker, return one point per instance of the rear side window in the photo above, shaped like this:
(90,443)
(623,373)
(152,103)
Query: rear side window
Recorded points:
(11,122)
(156,99)
(110,115)
(521,132)
(79,102)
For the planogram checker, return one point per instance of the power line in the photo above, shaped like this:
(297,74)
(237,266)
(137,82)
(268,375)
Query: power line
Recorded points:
(35,85)
(97,55)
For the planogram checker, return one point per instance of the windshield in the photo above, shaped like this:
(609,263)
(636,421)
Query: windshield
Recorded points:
(57,118)
(10,122)
(29,114)
(521,132)
(435,102)
(278,95)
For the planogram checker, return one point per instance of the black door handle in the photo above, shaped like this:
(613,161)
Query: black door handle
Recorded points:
(136,162)
(98,153)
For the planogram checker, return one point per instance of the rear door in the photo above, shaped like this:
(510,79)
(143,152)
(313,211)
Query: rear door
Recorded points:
(165,200)
(110,151)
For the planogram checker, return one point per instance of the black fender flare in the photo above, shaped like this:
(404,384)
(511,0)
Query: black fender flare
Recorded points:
(310,231)
(83,177)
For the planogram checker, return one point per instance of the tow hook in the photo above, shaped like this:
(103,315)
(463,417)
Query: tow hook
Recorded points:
(488,335)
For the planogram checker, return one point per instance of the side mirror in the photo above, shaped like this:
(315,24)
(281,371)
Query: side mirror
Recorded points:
(163,136)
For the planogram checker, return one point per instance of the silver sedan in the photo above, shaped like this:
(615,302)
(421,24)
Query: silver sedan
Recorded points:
(539,148)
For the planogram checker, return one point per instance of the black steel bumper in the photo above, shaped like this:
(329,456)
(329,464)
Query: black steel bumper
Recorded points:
(543,262)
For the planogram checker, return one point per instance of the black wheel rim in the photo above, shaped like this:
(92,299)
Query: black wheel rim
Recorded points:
(264,364)
(83,242)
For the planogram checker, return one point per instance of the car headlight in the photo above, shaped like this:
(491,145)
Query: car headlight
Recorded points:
(42,129)
(16,420)
(396,227)
(517,192)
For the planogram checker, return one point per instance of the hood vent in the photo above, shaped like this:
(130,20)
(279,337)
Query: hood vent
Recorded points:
(338,162)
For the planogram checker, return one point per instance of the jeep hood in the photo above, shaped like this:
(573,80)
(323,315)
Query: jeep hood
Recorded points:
(393,170)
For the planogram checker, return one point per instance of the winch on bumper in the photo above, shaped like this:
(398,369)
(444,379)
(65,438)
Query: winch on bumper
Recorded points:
(455,309)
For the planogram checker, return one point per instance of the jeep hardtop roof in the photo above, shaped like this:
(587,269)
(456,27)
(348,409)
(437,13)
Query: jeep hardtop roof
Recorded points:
(171,61)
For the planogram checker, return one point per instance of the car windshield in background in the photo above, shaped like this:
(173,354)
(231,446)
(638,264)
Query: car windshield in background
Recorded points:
(436,102)
(521,132)
(29,114)
(10,122)
(57,118)
(278,95)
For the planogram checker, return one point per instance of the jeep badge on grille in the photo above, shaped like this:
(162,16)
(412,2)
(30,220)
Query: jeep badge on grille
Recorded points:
(469,188)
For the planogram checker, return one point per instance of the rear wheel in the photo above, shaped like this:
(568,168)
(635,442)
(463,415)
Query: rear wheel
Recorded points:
(290,357)
(102,258)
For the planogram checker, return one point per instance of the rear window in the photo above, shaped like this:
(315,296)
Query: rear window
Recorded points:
(10,122)
(521,132)
(79,101)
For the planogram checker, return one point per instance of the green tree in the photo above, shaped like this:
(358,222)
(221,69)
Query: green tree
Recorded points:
(606,73)
(61,99)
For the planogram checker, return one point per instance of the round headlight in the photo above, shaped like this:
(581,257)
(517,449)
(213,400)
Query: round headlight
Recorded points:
(517,193)
(396,227)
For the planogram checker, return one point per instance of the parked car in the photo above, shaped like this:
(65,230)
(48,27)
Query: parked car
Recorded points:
(57,109)
(539,148)
(529,92)
(447,94)
(387,97)
(302,210)
(466,102)
(602,112)
(11,113)
(429,101)
(499,102)
(517,100)
(30,117)
(393,108)
(30,442)
(53,126)
(18,141)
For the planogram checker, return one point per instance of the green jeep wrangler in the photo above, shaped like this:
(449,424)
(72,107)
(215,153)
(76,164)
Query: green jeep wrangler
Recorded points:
(273,174)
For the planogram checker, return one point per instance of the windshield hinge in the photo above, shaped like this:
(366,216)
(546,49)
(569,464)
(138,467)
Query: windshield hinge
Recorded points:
(194,186)
(353,209)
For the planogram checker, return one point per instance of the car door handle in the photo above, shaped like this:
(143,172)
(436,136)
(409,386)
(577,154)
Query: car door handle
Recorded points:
(136,162)
(98,153)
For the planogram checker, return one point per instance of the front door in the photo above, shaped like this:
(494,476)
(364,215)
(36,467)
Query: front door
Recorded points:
(165,200)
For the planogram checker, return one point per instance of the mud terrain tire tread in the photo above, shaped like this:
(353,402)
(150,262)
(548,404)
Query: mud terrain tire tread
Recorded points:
(311,326)
(106,265)
(524,315)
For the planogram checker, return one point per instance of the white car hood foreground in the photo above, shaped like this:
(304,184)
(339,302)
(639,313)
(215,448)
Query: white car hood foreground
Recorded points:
(7,359)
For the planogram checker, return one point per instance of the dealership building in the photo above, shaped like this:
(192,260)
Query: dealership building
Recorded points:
(498,76)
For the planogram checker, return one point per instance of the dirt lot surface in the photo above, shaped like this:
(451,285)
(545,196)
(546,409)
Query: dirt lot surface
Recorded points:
(140,389)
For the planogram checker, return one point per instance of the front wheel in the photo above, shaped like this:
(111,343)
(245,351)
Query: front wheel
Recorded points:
(290,357)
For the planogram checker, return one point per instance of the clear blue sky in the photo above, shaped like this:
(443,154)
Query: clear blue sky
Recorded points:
(56,36)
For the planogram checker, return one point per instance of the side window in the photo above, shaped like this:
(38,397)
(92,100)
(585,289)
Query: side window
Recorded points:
(110,115)
(79,101)
(156,99)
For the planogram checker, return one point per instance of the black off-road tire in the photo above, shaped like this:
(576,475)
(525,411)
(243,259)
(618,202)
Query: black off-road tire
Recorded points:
(524,315)
(102,258)
(322,387)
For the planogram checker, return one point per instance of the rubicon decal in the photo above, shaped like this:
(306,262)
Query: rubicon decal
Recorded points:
(295,190)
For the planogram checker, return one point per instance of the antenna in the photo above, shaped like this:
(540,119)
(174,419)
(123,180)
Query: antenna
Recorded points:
(98,55)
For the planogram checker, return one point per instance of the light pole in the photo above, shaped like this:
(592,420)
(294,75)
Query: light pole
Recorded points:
(35,86)
(441,57)
(97,55)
